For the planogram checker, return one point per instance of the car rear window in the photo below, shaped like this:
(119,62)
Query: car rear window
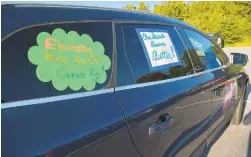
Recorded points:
(56,59)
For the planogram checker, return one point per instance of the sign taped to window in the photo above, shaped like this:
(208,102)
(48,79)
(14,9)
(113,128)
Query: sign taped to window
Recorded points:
(158,47)
(69,60)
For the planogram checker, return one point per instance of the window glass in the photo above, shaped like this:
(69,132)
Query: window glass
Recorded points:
(67,58)
(135,53)
(124,71)
(97,65)
(209,55)
(190,49)
(19,80)
(155,53)
(239,59)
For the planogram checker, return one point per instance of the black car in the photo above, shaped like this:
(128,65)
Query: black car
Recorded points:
(91,82)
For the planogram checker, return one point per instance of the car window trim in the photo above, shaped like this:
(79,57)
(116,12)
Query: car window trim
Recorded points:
(121,88)
(35,101)
(54,98)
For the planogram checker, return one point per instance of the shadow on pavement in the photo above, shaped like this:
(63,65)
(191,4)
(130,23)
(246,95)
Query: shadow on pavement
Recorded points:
(247,117)
(249,146)
(247,120)
(207,150)
(248,92)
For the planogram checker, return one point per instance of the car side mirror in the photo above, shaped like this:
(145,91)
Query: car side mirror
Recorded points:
(238,58)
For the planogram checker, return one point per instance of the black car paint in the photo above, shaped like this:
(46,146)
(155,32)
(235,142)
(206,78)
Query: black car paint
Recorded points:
(114,123)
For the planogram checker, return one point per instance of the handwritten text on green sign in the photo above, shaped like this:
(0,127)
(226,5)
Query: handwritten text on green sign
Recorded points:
(68,59)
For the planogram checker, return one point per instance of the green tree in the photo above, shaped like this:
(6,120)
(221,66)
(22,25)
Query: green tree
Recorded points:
(129,7)
(231,19)
(175,9)
(141,7)
(228,18)
(244,8)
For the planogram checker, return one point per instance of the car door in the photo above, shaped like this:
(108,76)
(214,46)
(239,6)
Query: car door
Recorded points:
(162,100)
(224,86)
(75,113)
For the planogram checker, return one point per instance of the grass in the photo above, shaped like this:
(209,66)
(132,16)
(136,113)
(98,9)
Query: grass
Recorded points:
(245,43)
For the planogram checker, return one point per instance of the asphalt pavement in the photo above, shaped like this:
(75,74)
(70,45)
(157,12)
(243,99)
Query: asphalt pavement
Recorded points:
(235,141)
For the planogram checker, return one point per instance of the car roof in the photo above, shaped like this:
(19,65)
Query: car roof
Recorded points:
(45,13)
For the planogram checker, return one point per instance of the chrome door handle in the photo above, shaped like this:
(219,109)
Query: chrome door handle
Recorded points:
(162,124)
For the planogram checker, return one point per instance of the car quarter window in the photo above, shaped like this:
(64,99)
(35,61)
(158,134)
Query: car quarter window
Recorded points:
(153,53)
(207,54)
(56,59)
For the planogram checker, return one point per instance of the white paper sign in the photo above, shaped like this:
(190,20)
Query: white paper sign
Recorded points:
(159,48)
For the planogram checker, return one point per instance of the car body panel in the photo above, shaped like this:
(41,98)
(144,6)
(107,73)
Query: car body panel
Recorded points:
(142,107)
(218,94)
(224,105)
(115,121)
(64,126)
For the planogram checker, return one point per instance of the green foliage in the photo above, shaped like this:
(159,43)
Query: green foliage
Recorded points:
(231,19)
(228,18)
(173,9)
(141,7)
(246,42)
(129,7)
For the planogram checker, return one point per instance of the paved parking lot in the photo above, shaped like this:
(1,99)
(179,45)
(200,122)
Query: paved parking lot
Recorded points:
(235,141)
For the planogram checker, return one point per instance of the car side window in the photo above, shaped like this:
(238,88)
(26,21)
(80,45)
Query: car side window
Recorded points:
(19,80)
(209,55)
(91,67)
(155,53)
(57,59)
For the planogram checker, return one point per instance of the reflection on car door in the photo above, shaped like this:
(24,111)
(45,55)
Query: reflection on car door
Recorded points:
(164,111)
(223,87)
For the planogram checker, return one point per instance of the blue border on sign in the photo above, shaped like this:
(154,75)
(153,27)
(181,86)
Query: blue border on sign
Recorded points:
(160,67)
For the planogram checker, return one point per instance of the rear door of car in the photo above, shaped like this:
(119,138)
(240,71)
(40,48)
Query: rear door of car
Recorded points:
(167,105)
(58,92)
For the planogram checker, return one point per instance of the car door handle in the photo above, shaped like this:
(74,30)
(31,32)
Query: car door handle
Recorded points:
(162,124)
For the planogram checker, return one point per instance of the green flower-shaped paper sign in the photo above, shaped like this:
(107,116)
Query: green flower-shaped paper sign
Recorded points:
(68,59)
